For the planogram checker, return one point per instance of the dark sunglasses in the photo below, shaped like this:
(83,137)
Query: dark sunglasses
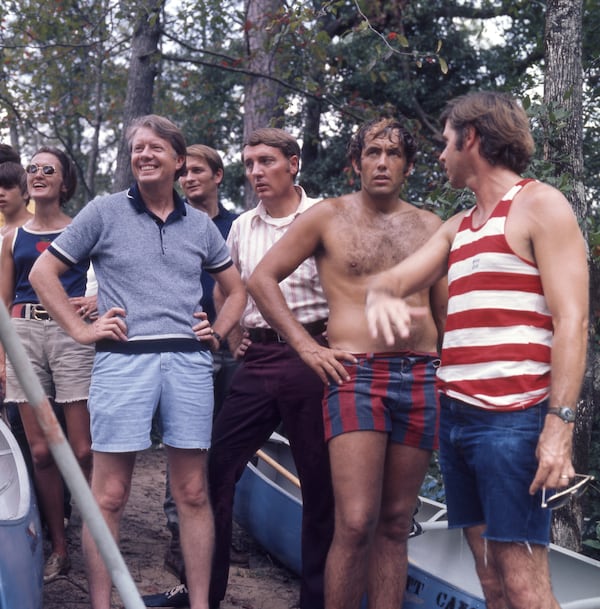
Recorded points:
(561,498)
(47,170)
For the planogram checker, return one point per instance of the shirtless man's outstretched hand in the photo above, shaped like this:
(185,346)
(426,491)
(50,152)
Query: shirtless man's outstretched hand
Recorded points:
(390,317)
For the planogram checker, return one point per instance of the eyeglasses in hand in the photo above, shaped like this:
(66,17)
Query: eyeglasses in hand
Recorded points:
(561,498)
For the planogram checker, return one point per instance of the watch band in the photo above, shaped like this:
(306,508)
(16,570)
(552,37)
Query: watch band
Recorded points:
(565,413)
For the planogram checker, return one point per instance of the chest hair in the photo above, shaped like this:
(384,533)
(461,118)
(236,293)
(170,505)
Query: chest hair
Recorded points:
(370,245)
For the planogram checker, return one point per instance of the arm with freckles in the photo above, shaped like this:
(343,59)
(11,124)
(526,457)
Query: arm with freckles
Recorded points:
(301,241)
(560,252)
(388,313)
(44,277)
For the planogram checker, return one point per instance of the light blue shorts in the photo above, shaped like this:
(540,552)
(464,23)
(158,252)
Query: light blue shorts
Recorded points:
(127,389)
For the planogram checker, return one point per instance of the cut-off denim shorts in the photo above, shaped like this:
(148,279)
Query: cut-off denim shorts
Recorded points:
(488,463)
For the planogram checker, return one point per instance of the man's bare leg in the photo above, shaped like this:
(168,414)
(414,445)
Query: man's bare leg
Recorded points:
(111,484)
(486,568)
(189,485)
(357,467)
(525,575)
(405,468)
(514,575)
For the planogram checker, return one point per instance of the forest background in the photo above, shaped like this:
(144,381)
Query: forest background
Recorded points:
(73,73)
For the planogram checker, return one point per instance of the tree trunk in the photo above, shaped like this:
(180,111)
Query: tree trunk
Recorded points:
(96,122)
(311,138)
(563,88)
(262,107)
(143,69)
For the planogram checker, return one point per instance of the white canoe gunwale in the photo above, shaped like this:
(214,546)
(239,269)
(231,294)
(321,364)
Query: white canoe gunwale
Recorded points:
(21,558)
(441,569)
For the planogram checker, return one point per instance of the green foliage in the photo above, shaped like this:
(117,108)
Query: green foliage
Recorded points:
(65,79)
(65,64)
(54,81)
(65,69)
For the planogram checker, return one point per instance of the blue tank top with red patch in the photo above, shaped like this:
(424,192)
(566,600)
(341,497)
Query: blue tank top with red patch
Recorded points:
(26,248)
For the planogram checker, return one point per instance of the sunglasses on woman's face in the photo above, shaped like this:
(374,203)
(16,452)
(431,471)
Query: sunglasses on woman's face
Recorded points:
(561,498)
(47,170)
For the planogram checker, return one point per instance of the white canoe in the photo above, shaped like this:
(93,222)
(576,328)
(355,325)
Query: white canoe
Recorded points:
(441,573)
(21,552)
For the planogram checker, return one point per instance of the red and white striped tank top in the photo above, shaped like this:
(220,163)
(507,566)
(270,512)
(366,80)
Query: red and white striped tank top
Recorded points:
(498,337)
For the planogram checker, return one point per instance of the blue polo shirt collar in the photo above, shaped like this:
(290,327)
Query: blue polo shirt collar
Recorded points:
(138,203)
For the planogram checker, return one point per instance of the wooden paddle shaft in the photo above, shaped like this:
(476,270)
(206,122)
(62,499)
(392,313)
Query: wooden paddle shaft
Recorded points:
(286,473)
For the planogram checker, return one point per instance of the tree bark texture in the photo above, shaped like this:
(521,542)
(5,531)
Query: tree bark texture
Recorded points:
(143,69)
(563,89)
(262,105)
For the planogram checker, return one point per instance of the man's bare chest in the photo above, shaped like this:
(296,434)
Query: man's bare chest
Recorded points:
(362,247)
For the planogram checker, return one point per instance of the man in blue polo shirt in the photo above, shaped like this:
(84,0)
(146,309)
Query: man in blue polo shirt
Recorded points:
(200,184)
(152,339)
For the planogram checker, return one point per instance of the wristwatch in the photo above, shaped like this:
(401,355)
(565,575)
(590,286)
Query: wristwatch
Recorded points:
(218,337)
(563,412)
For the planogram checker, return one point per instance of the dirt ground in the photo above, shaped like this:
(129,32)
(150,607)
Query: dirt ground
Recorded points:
(262,585)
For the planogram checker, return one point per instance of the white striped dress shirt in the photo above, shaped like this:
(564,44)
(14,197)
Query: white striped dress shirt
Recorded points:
(251,236)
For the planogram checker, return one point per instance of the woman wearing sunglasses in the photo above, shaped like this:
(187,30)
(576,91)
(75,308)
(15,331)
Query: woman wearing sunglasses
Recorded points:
(63,366)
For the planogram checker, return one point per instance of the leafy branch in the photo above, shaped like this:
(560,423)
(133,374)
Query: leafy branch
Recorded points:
(403,41)
(232,64)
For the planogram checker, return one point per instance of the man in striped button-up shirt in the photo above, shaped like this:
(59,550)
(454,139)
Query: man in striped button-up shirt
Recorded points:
(273,385)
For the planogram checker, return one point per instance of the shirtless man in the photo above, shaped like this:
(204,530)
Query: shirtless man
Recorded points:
(514,348)
(383,392)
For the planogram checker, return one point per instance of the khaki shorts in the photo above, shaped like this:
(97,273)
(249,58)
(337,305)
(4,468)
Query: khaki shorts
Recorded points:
(62,365)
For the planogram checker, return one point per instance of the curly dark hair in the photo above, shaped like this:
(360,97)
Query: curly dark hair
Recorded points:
(382,126)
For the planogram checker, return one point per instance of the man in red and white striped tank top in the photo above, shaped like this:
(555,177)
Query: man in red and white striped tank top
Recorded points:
(513,354)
